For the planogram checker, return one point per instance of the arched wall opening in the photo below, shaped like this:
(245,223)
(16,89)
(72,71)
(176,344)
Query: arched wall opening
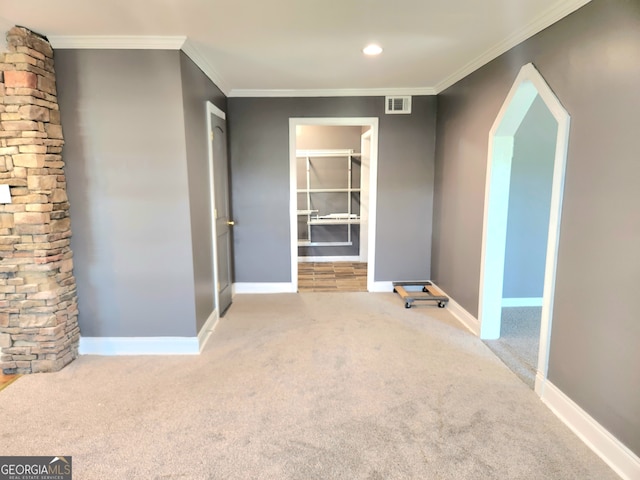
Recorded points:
(528,87)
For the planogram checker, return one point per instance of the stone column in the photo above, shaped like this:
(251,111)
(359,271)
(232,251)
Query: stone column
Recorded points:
(38,303)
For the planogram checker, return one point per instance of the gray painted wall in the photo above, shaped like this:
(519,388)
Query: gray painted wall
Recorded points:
(122,115)
(197,89)
(259,147)
(330,173)
(530,203)
(590,61)
(328,137)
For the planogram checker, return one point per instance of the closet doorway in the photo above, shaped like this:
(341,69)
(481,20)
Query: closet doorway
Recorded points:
(333,179)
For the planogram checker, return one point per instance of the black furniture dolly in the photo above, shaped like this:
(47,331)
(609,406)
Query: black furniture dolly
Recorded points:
(429,293)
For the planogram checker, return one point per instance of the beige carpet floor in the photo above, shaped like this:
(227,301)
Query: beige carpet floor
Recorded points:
(300,386)
(519,341)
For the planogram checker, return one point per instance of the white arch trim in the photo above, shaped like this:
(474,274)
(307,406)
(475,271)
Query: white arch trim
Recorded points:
(528,84)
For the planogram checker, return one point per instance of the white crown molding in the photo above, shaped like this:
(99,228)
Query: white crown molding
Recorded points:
(201,61)
(329,92)
(178,42)
(142,42)
(117,42)
(557,12)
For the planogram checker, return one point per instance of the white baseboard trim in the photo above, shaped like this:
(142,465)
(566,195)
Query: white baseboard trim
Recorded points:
(267,287)
(329,259)
(622,460)
(139,346)
(540,383)
(465,318)
(522,302)
(207,329)
(379,287)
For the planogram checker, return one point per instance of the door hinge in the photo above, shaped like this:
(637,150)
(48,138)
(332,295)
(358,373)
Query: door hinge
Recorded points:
(211,135)
(215,213)
(218,286)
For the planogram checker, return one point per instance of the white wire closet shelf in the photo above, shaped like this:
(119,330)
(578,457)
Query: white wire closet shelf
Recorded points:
(314,218)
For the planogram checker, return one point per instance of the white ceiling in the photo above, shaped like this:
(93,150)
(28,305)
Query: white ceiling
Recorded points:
(289,47)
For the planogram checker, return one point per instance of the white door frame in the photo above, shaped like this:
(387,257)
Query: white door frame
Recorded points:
(365,139)
(527,86)
(371,122)
(213,110)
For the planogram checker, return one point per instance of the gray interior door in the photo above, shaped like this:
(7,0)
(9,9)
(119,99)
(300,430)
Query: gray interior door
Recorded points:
(221,212)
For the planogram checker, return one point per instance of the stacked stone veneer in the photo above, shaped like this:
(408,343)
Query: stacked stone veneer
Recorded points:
(38,302)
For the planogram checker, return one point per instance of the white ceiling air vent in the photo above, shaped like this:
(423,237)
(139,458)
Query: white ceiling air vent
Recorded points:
(397,105)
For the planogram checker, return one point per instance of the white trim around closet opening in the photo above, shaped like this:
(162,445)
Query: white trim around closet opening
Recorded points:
(371,122)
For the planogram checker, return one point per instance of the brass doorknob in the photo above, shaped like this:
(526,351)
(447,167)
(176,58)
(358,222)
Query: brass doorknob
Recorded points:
(231,223)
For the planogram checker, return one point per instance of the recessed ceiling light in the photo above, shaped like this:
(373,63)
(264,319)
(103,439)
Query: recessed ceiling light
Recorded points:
(372,49)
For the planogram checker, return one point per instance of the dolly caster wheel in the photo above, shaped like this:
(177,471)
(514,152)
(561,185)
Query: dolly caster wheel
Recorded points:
(407,305)
(441,304)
